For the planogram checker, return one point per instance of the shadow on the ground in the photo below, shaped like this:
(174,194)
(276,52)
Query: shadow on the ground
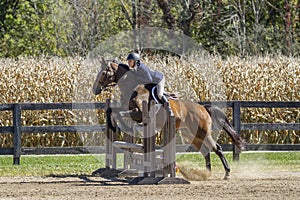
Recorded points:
(83,179)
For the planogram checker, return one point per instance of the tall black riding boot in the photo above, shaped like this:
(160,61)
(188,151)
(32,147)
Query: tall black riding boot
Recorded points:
(164,99)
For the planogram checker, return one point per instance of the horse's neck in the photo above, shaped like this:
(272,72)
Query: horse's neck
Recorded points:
(125,80)
(122,69)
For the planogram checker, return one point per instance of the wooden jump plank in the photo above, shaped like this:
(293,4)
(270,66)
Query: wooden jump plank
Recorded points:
(128,145)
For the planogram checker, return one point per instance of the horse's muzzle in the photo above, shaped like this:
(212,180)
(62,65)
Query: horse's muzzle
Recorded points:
(98,90)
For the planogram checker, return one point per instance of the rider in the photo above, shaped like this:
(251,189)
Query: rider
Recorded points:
(145,75)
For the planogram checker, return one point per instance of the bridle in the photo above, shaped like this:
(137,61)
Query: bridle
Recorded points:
(107,76)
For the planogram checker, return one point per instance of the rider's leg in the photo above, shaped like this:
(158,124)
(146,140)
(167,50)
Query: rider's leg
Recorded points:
(160,91)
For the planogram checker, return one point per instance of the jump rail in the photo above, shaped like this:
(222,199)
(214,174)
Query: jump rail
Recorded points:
(17,129)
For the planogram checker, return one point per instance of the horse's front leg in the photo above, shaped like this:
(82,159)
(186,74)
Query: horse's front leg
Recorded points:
(120,116)
(111,124)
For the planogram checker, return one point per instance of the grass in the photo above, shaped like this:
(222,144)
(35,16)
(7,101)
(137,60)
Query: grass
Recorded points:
(50,165)
(70,165)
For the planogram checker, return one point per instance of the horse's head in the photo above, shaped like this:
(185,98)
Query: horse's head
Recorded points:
(107,77)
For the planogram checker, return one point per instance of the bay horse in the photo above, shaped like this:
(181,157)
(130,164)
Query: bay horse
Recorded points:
(194,120)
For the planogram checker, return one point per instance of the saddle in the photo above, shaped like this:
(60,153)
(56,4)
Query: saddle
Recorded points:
(167,95)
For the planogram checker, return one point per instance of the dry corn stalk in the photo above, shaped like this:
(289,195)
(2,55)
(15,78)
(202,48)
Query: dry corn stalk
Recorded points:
(196,78)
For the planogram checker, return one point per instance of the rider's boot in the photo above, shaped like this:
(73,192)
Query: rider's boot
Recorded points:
(164,99)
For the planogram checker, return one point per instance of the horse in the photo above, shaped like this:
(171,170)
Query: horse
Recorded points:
(192,119)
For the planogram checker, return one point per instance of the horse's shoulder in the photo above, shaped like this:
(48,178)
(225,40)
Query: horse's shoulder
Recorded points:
(143,88)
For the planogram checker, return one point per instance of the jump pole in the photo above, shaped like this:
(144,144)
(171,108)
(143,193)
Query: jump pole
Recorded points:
(148,159)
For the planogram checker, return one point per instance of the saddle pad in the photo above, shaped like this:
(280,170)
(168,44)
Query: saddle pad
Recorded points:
(168,95)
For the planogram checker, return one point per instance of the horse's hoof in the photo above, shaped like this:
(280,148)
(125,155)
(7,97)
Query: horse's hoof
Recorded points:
(226,177)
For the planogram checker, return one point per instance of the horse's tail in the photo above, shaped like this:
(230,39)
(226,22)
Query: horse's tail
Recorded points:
(220,120)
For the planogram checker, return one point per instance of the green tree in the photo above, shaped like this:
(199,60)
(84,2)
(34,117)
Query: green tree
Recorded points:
(74,27)
(28,30)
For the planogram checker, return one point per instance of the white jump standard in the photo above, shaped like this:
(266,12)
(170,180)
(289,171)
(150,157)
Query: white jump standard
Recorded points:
(146,163)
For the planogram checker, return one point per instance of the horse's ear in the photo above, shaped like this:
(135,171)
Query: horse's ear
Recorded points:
(102,63)
(114,65)
(115,61)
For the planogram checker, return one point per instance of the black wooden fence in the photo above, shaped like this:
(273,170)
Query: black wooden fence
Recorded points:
(17,129)
(239,125)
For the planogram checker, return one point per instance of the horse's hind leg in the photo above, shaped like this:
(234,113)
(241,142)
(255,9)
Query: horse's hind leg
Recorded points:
(205,151)
(220,153)
(207,162)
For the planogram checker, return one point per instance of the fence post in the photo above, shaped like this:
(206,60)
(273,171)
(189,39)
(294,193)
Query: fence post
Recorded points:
(151,138)
(169,143)
(17,133)
(166,139)
(146,122)
(172,143)
(110,157)
(237,127)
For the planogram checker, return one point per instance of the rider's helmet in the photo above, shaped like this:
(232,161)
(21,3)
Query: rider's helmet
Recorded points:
(133,56)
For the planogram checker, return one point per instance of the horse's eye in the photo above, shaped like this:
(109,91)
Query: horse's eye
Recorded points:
(105,72)
(109,73)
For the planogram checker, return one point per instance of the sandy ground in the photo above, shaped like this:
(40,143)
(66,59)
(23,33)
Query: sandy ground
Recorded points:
(275,185)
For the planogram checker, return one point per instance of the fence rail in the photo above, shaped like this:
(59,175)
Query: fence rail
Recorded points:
(17,129)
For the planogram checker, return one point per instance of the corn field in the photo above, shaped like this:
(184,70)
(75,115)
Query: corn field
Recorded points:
(270,78)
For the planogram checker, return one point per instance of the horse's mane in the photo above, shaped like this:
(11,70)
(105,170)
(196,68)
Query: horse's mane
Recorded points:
(126,67)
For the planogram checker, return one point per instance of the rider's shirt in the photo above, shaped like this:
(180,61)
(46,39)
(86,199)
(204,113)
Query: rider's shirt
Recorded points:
(145,75)
(139,75)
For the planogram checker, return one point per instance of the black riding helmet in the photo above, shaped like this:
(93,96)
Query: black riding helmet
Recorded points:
(133,56)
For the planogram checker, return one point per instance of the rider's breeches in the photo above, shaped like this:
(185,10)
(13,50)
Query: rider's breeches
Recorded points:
(160,88)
